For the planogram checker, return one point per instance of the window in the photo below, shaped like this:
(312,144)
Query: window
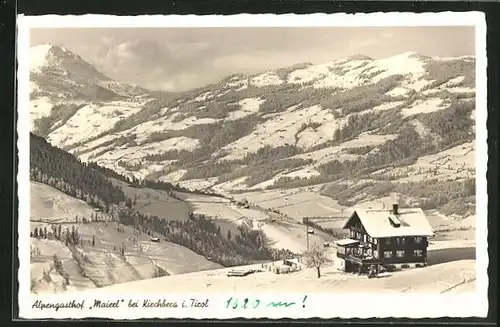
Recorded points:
(375,241)
(369,239)
(418,253)
(387,241)
(364,238)
(398,240)
(353,234)
(403,240)
(400,253)
(418,239)
(387,254)
(375,253)
(348,251)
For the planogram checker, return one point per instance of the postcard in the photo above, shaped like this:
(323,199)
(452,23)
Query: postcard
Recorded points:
(252,166)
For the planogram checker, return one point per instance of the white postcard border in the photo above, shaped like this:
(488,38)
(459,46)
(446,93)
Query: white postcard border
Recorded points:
(318,305)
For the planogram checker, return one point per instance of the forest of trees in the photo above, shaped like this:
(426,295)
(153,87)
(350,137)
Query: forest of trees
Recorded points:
(450,197)
(61,170)
(202,235)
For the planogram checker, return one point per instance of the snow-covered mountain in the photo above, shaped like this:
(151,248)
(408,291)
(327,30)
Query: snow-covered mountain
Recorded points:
(59,77)
(354,122)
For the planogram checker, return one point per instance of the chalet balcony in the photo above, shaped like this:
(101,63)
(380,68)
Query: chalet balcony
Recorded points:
(362,259)
(356,252)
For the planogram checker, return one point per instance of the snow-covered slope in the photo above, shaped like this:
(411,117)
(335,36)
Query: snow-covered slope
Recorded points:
(60,78)
(89,266)
(297,126)
(438,278)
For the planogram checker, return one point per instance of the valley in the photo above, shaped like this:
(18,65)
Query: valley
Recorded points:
(223,175)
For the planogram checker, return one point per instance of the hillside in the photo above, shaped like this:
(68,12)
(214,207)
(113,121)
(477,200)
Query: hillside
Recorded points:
(57,266)
(223,175)
(91,227)
(354,130)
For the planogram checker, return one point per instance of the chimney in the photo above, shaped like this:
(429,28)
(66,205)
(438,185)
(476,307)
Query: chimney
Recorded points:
(395,209)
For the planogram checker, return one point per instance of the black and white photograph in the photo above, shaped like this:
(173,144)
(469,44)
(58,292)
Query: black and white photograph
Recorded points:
(326,161)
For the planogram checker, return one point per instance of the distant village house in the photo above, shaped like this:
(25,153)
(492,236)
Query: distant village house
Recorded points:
(396,238)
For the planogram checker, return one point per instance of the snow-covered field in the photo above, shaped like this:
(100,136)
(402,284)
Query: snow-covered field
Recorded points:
(161,125)
(101,265)
(455,163)
(248,106)
(198,184)
(268,78)
(351,73)
(349,77)
(335,152)
(294,203)
(138,152)
(388,105)
(92,120)
(282,130)
(282,231)
(424,106)
(455,276)
(48,204)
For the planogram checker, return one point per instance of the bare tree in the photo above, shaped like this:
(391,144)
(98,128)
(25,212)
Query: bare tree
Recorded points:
(316,257)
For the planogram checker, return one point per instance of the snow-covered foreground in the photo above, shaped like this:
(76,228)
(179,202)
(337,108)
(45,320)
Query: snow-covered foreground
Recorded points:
(453,276)
(101,265)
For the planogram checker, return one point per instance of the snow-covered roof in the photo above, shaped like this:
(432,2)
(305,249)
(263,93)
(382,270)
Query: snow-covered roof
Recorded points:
(383,223)
(346,241)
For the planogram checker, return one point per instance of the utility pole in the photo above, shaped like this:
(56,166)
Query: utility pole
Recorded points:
(307,237)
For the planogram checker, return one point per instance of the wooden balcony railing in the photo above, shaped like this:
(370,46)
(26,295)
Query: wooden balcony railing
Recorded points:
(362,259)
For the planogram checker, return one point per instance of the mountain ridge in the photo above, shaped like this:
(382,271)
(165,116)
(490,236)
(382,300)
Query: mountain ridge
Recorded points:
(292,127)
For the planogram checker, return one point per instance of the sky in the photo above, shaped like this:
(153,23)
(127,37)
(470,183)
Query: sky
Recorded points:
(177,59)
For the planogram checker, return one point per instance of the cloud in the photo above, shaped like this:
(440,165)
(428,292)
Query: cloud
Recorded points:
(181,58)
(372,41)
